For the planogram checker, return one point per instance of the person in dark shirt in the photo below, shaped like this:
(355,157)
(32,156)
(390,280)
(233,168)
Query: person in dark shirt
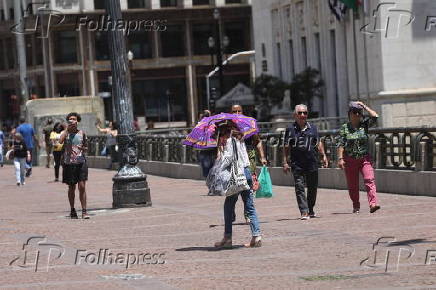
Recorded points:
(21,154)
(46,131)
(302,140)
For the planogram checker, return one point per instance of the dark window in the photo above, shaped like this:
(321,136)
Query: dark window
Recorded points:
(131,4)
(173,41)
(2,59)
(101,46)
(29,49)
(233,1)
(279,60)
(2,14)
(334,68)
(151,96)
(139,42)
(10,53)
(68,84)
(99,4)
(200,2)
(38,51)
(65,47)
(318,51)
(263,50)
(304,51)
(238,36)
(264,66)
(201,34)
(291,58)
(168,3)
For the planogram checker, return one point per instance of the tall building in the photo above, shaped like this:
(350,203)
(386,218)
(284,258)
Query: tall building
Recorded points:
(381,55)
(171,52)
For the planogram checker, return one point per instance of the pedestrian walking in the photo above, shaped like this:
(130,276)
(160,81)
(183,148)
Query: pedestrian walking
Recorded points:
(231,143)
(20,153)
(302,142)
(75,168)
(206,157)
(46,131)
(2,145)
(111,141)
(353,155)
(28,133)
(57,147)
(254,145)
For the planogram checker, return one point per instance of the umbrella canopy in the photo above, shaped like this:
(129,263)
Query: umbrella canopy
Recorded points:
(203,135)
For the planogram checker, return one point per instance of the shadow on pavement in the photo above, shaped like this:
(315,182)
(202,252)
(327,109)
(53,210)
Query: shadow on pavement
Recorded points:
(209,249)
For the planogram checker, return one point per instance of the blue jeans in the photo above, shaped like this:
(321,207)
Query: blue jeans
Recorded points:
(248,199)
(1,153)
(206,158)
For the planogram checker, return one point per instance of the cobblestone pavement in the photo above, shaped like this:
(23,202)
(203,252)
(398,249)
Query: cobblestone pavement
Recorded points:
(179,230)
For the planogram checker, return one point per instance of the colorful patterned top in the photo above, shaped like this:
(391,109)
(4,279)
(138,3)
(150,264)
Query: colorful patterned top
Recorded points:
(75,144)
(355,141)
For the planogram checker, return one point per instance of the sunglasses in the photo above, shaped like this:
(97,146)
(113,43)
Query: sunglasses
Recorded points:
(302,113)
(356,112)
(238,111)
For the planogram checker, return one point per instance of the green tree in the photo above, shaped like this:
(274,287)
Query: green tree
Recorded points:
(270,88)
(305,86)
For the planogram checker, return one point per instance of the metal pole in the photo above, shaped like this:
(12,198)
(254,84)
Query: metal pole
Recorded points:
(130,186)
(219,57)
(21,51)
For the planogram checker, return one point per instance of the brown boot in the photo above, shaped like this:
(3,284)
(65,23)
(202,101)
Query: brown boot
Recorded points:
(224,243)
(255,242)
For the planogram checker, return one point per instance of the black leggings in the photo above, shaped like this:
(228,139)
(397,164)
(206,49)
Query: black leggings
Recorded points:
(57,162)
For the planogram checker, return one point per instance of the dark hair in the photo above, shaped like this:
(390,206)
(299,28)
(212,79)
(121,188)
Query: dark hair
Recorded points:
(22,120)
(50,121)
(58,127)
(114,125)
(77,115)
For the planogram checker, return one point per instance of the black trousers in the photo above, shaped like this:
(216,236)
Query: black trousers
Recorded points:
(303,179)
(57,162)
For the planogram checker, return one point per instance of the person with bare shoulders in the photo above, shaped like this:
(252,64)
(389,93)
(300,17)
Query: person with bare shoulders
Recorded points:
(75,169)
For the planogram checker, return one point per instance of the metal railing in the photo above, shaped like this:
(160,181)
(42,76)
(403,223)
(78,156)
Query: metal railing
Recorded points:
(391,148)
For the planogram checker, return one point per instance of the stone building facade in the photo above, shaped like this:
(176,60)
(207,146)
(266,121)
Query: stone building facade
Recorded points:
(382,55)
(169,65)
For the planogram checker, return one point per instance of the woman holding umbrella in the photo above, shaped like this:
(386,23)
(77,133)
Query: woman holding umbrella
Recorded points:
(227,131)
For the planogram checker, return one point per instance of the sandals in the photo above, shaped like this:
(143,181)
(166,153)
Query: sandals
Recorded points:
(255,242)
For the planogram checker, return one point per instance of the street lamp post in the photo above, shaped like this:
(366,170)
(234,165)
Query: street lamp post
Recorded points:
(130,186)
(168,93)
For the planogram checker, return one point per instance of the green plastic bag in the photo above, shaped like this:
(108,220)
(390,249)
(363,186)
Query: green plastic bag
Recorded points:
(265,189)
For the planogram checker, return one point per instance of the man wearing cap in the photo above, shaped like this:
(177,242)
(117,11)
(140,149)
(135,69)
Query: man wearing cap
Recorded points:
(302,140)
(353,154)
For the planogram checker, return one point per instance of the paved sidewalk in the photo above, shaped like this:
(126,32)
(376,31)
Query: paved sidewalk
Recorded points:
(179,231)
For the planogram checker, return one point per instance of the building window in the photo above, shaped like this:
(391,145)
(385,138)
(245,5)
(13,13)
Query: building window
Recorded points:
(2,59)
(318,52)
(168,3)
(279,60)
(304,51)
(264,65)
(99,4)
(132,4)
(173,41)
(233,1)
(65,47)
(201,34)
(139,42)
(263,50)
(238,36)
(38,51)
(291,59)
(334,69)
(29,49)
(10,55)
(101,45)
(201,2)
(68,84)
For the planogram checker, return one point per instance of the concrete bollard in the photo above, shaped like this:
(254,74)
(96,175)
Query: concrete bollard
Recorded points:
(166,155)
(380,161)
(183,153)
(423,164)
(150,151)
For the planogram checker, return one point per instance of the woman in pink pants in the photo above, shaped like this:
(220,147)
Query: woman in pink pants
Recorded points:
(353,154)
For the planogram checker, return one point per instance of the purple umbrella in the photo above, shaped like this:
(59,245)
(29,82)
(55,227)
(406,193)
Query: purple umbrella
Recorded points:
(203,134)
